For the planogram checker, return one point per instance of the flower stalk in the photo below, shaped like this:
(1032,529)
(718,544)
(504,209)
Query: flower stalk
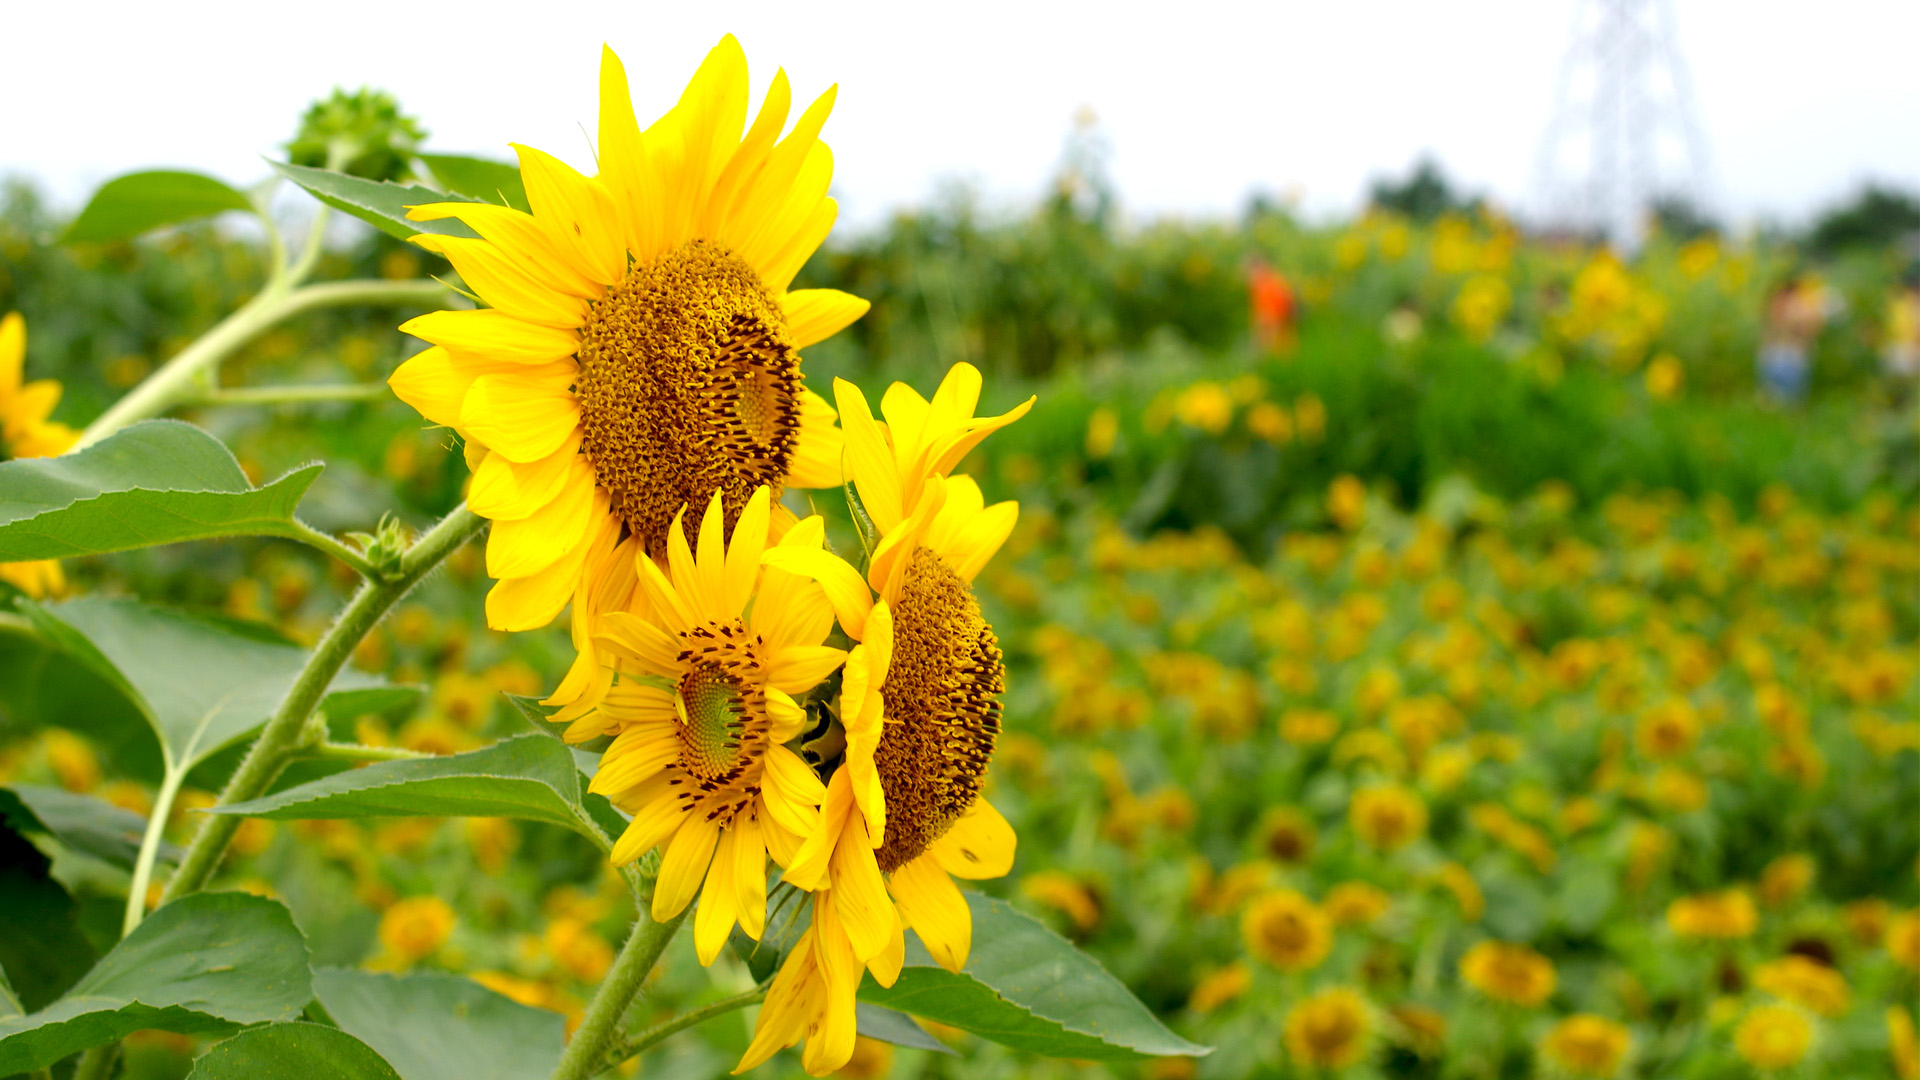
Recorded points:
(586,1053)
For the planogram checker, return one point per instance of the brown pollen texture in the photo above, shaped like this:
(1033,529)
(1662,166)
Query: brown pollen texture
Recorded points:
(689,384)
(942,705)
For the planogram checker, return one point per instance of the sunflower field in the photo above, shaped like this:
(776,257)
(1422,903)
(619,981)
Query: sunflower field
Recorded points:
(465,618)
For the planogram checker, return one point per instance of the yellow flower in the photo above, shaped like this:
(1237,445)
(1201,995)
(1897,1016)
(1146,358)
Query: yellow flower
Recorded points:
(1287,835)
(1805,982)
(1903,939)
(1347,501)
(640,347)
(1588,1045)
(1903,1043)
(1387,817)
(699,756)
(1510,973)
(1773,1037)
(1205,406)
(1728,914)
(1307,727)
(414,929)
(1355,903)
(903,814)
(1064,893)
(72,760)
(1219,987)
(1286,930)
(1329,1030)
(1664,376)
(577,950)
(1103,430)
(1270,423)
(1667,730)
(1459,881)
(1480,305)
(1785,879)
(25,432)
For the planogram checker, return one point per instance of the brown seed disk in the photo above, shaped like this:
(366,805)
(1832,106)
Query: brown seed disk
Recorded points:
(942,708)
(689,384)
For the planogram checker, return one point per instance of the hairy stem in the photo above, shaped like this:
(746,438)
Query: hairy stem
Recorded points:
(585,1056)
(280,741)
(631,1045)
(333,751)
(332,545)
(150,846)
(179,378)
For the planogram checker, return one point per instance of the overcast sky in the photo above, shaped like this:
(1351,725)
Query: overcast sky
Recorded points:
(1202,103)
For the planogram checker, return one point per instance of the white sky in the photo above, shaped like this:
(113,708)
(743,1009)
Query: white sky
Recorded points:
(1202,102)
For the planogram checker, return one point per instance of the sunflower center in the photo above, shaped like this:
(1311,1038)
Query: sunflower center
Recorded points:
(941,705)
(689,384)
(722,710)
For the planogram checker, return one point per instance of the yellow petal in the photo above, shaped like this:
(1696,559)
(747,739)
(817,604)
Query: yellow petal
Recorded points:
(869,460)
(635,756)
(931,904)
(978,845)
(846,590)
(886,964)
(750,876)
(531,544)
(807,868)
(525,418)
(13,350)
(803,667)
(743,555)
(715,917)
(792,791)
(786,718)
(503,283)
(684,866)
(532,246)
(859,896)
(817,314)
(430,383)
(657,651)
(494,334)
(531,602)
(622,160)
(580,213)
(505,490)
(818,447)
(746,162)
(655,822)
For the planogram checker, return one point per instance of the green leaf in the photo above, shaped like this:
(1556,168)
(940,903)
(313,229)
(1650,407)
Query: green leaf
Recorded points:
(489,181)
(526,776)
(876,1022)
(129,205)
(155,482)
(199,965)
(1026,987)
(442,1027)
(199,683)
(83,823)
(380,203)
(42,949)
(9,1004)
(292,1051)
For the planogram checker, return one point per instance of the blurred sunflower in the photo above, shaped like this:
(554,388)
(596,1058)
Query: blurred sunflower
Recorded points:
(1588,1045)
(1773,1037)
(1330,1029)
(698,756)
(1287,930)
(640,347)
(25,432)
(1805,982)
(919,698)
(1728,914)
(1510,973)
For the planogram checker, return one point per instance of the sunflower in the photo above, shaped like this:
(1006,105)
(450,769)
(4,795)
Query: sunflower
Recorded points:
(1287,930)
(1588,1045)
(25,432)
(1773,1037)
(1330,1029)
(639,350)
(697,756)
(1507,972)
(903,814)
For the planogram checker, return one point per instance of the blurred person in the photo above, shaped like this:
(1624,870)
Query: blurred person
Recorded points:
(1900,352)
(1793,318)
(1274,307)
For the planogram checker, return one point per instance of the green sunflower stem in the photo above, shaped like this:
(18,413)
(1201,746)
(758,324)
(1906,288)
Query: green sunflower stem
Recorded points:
(586,1054)
(630,1045)
(282,739)
(183,378)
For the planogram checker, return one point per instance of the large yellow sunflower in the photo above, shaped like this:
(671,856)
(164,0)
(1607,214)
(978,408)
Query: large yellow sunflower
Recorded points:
(640,346)
(903,814)
(25,432)
(716,655)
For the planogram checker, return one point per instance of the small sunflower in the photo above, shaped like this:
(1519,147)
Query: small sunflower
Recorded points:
(25,432)
(640,346)
(698,755)
(1588,1045)
(1329,1030)
(1287,930)
(1773,1037)
(1507,972)
(903,813)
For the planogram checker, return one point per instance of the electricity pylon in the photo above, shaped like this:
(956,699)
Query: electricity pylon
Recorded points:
(1624,130)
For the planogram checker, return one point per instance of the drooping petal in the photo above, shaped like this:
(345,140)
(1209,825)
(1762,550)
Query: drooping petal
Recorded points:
(852,600)
(869,459)
(684,866)
(715,918)
(931,903)
(505,490)
(525,417)
(524,546)
(979,845)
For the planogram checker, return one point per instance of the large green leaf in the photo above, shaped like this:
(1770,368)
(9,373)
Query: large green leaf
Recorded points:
(1026,987)
(876,1022)
(127,206)
(84,823)
(527,776)
(155,482)
(489,181)
(200,683)
(43,685)
(381,204)
(442,1027)
(202,964)
(42,949)
(292,1051)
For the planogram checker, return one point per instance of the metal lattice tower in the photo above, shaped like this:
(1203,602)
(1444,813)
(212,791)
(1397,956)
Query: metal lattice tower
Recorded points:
(1624,131)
